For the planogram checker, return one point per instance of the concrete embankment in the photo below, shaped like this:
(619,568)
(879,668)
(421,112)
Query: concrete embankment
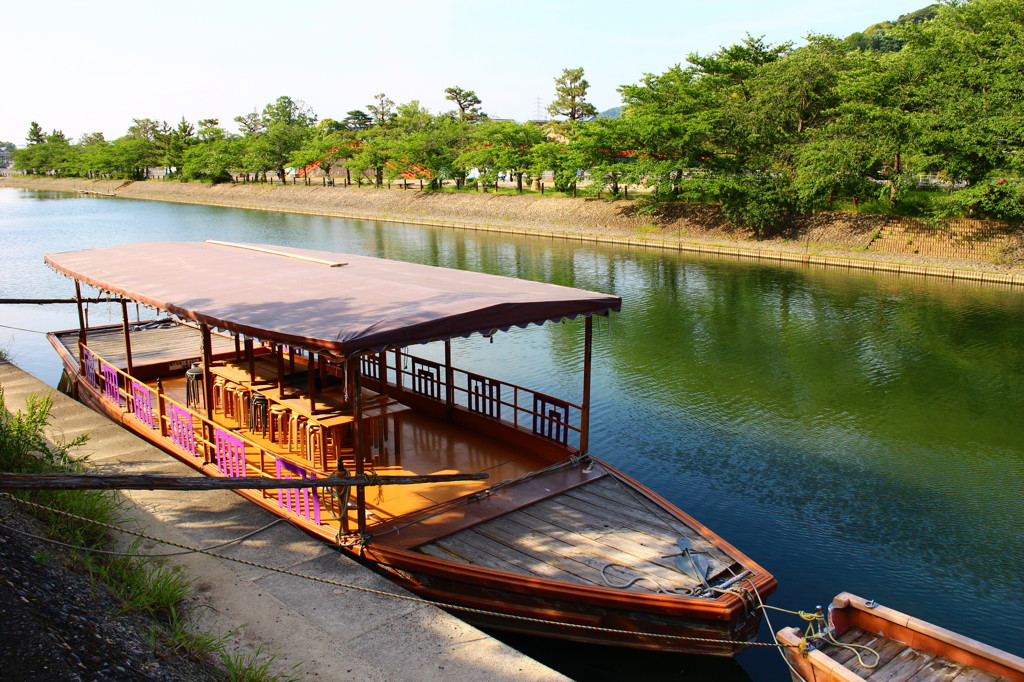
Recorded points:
(331,632)
(964,249)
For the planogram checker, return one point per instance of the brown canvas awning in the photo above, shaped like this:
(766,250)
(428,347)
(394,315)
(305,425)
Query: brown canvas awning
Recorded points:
(339,302)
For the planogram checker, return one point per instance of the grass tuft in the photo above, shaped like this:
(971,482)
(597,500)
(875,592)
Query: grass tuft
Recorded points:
(253,668)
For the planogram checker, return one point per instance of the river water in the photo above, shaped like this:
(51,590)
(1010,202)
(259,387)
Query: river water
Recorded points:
(847,431)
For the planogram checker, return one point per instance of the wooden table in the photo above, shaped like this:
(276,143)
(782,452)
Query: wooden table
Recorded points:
(238,373)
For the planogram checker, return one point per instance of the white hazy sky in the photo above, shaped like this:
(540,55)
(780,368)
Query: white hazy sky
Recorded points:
(84,67)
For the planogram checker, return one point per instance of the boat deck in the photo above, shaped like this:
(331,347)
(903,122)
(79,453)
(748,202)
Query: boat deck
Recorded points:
(414,445)
(600,533)
(149,346)
(897,661)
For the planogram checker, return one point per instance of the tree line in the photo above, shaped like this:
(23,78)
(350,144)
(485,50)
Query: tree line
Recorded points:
(762,129)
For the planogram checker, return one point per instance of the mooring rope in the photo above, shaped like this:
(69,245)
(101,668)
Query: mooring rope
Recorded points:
(22,329)
(335,583)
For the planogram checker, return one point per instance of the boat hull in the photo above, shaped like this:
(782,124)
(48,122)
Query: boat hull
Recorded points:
(512,602)
(913,647)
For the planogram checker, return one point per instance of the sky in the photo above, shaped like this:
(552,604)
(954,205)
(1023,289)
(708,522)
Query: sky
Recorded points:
(84,67)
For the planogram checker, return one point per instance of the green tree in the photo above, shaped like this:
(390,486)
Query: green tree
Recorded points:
(274,136)
(324,146)
(426,145)
(467,102)
(94,157)
(602,147)
(53,154)
(212,156)
(382,110)
(571,96)
(36,134)
(500,146)
(357,119)
(872,136)
(557,158)
(178,140)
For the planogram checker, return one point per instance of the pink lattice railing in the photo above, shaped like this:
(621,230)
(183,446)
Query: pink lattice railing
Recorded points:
(110,383)
(89,360)
(302,502)
(230,453)
(142,404)
(183,433)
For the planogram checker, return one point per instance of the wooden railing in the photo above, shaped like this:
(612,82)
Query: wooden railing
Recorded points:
(543,415)
(230,452)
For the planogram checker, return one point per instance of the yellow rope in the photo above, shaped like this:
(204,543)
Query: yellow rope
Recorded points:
(853,647)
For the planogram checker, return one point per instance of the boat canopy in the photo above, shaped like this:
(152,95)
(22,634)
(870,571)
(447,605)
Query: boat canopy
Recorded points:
(342,303)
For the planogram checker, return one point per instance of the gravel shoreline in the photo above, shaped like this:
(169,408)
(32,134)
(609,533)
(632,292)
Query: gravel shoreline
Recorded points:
(965,249)
(59,623)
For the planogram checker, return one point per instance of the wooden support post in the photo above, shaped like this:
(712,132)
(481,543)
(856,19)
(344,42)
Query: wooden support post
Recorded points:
(81,313)
(311,381)
(238,346)
(357,437)
(449,380)
(127,336)
(207,340)
(588,342)
(81,329)
(279,363)
(160,407)
(398,368)
(251,359)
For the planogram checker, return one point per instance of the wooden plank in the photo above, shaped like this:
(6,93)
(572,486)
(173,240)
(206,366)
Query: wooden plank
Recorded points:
(484,551)
(887,649)
(617,518)
(615,491)
(851,636)
(971,674)
(641,547)
(547,551)
(903,666)
(599,508)
(569,557)
(439,552)
(566,511)
(605,553)
(938,670)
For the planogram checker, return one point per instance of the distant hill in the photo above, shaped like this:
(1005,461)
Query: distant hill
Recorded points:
(614,112)
(878,38)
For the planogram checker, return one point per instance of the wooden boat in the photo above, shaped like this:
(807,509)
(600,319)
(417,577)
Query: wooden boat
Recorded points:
(899,647)
(288,363)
